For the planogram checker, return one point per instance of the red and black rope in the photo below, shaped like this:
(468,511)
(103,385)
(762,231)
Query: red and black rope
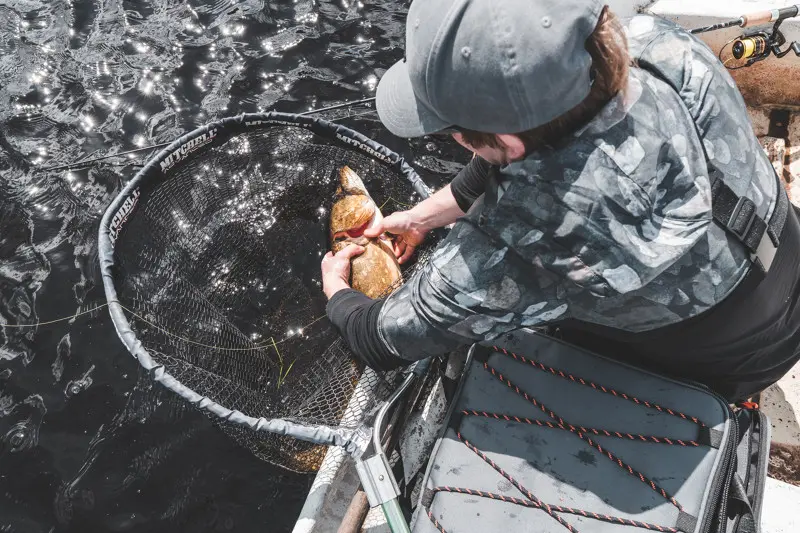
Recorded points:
(435,522)
(556,508)
(560,373)
(582,433)
(583,437)
(543,506)
(598,432)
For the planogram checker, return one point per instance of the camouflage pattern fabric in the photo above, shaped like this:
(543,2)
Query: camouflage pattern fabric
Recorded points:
(615,228)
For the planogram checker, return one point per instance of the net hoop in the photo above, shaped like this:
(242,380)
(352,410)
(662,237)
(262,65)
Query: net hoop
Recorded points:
(159,169)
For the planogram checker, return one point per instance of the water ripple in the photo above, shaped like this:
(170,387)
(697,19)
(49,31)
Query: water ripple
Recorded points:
(83,78)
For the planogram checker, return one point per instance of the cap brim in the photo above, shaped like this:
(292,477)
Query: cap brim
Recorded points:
(400,110)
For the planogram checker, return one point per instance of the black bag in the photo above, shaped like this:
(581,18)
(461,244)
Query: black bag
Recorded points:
(543,436)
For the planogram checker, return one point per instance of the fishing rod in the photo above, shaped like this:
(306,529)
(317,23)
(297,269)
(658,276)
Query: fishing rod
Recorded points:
(77,164)
(84,162)
(758,45)
(754,19)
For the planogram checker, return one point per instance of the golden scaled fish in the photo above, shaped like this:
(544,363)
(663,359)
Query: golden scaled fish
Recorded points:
(376,271)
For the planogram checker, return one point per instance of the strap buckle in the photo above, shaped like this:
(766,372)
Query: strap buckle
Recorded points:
(734,225)
(765,250)
(765,253)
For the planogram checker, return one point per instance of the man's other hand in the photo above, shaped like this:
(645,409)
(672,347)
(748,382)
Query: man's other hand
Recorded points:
(336,269)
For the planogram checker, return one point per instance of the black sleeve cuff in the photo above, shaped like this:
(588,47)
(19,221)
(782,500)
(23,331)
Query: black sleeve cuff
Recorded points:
(470,183)
(355,316)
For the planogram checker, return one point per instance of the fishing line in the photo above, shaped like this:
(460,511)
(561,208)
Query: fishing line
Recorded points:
(267,344)
(398,202)
(54,321)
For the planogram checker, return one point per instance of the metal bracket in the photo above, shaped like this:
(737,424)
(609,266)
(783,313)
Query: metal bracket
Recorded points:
(377,479)
(375,472)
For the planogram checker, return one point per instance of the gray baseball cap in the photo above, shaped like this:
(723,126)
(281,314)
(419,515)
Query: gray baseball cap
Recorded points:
(497,66)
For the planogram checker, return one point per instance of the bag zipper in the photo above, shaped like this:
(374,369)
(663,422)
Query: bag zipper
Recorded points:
(724,475)
(763,456)
(746,479)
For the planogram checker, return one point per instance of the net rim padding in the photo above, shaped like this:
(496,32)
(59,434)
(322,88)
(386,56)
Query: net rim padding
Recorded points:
(158,168)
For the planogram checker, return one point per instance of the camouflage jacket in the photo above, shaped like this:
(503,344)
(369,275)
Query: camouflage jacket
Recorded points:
(615,228)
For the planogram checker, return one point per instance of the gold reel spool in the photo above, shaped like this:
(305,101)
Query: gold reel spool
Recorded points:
(743,51)
(749,47)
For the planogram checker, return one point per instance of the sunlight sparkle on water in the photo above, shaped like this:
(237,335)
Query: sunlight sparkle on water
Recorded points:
(371,82)
(307,18)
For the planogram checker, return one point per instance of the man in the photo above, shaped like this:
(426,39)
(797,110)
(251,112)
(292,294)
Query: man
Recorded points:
(618,192)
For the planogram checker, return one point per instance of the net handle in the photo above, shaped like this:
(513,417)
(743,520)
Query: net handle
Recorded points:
(159,168)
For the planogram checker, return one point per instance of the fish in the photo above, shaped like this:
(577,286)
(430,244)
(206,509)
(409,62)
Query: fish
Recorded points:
(376,271)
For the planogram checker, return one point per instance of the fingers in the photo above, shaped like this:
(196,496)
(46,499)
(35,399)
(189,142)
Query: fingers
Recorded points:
(415,238)
(398,246)
(327,260)
(350,251)
(376,231)
(395,223)
(407,253)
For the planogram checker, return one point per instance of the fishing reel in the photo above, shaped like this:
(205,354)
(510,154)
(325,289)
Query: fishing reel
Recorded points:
(757,46)
(752,48)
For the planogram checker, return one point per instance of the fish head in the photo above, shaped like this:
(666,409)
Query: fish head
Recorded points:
(353,209)
(351,215)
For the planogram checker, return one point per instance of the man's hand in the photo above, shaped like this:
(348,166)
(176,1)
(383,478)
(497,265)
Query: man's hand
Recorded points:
(409,236)
(336,269)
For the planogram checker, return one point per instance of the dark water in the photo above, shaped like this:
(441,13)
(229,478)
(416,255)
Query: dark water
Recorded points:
(86,443)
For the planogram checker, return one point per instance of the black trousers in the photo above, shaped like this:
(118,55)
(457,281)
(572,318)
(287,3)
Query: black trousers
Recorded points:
(738,348)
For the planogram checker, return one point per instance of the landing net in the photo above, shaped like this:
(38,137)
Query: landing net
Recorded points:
(210,260)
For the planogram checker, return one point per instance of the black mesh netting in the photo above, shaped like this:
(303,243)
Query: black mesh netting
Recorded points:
(218,271)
